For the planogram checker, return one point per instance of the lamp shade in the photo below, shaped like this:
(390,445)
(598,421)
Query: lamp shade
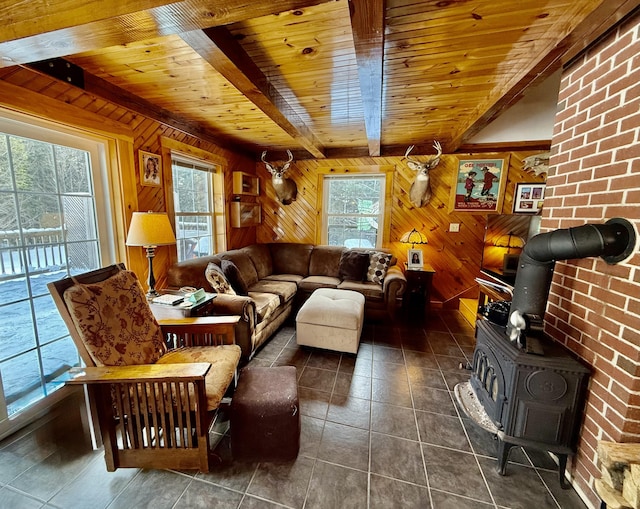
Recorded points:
(509,241)
(414,237)
(150,229)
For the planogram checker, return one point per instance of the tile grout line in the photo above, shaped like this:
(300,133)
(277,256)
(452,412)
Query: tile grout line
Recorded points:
(415,419)
(475,457)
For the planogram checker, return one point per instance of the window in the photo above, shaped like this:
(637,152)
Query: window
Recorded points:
(353,210)
(199,205)
(53,219)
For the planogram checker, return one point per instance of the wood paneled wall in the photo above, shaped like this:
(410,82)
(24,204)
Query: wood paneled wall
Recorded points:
(456,257)
(67,104)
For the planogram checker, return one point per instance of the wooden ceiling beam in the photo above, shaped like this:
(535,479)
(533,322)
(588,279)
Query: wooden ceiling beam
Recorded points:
(597,23)
(367,23)
(101,88)
(41,30)
(223,52)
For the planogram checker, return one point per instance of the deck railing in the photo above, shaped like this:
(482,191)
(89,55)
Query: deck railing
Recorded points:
(39,249)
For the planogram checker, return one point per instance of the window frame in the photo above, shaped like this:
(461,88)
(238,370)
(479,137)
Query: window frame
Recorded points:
(171,149)
(103,149)
(386,171)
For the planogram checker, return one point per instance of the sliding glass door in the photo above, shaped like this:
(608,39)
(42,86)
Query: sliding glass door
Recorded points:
(54,221)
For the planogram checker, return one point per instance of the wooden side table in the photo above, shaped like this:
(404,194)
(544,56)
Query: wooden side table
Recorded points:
(204,307)
(417,297)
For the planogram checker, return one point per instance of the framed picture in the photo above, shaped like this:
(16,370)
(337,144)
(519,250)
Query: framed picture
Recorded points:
(150,169)
(529,197)
(479,185)
(414,259)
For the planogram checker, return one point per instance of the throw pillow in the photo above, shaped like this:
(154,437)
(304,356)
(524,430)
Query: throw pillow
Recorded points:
(353,265)
(234,276)
(378,265)
(115,322)
(217,279)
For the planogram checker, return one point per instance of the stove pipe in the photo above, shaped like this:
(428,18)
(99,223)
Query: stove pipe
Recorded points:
(613,241)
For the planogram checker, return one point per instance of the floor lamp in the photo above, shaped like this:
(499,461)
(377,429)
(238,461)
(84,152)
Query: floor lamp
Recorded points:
(150,230)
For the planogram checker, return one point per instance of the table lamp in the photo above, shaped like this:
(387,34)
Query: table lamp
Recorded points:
(414,256)
(150,230)
(510,241)
(414,237)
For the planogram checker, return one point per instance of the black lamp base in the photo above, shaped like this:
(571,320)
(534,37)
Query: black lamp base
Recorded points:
(151,293)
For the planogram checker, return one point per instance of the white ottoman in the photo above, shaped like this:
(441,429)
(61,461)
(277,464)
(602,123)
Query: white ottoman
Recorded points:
(331,319)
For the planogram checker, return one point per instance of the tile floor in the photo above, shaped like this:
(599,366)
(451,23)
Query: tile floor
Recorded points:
(379,430)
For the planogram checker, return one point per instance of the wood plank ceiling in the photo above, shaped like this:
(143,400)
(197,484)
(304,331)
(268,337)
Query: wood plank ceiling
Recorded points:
(321,78)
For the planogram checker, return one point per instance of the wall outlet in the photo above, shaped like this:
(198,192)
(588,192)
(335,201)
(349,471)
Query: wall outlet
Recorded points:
(454,227)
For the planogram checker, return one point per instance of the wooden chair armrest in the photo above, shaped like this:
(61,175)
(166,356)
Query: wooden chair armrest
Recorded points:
(200,331)
(200,322)
(139,373)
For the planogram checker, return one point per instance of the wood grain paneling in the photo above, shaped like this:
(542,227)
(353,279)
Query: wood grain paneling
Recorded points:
(455,256)
(82,109)
(321,78)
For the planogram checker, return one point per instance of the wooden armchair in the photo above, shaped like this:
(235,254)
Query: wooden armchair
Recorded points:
(155,387)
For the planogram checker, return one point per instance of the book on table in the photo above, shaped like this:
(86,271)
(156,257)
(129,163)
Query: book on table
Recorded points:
(169,299)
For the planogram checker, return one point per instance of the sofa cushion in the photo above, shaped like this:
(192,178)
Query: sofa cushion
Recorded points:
(235,277)
(378,265)
(218,281)
(286,290)
(325,260)
(311,283)
(115,321)
(293,278)
(241,260)
(372,291)
(394,260)
(266,304)
(191,272)
(290,258)
(353,266)
(261,258)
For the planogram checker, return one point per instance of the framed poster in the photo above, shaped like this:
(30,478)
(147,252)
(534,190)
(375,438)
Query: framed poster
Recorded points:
(479,185)
(150,169)
(529,197)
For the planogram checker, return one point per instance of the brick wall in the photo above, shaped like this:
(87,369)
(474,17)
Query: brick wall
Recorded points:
(594,308)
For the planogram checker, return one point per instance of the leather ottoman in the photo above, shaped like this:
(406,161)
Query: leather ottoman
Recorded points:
(265,415)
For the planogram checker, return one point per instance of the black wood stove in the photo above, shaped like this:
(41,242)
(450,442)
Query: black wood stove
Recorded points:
(532,400)
(525,388)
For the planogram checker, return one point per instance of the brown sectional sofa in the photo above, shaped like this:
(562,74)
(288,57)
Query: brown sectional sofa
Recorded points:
(279,278)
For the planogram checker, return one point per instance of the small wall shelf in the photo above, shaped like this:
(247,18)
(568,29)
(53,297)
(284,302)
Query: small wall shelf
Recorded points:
(244,183)
(245,214)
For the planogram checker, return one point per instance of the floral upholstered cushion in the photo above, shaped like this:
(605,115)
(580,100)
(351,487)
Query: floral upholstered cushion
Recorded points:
(115,322)
(223,359)
(217,279)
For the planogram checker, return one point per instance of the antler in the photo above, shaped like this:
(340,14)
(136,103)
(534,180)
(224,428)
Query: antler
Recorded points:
(438,147)
(273,169)
(286,165)
(406,155)
(267,164)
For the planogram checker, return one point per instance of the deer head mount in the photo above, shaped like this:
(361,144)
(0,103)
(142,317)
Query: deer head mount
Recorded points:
(285,188)
(537,163)
(420,192)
